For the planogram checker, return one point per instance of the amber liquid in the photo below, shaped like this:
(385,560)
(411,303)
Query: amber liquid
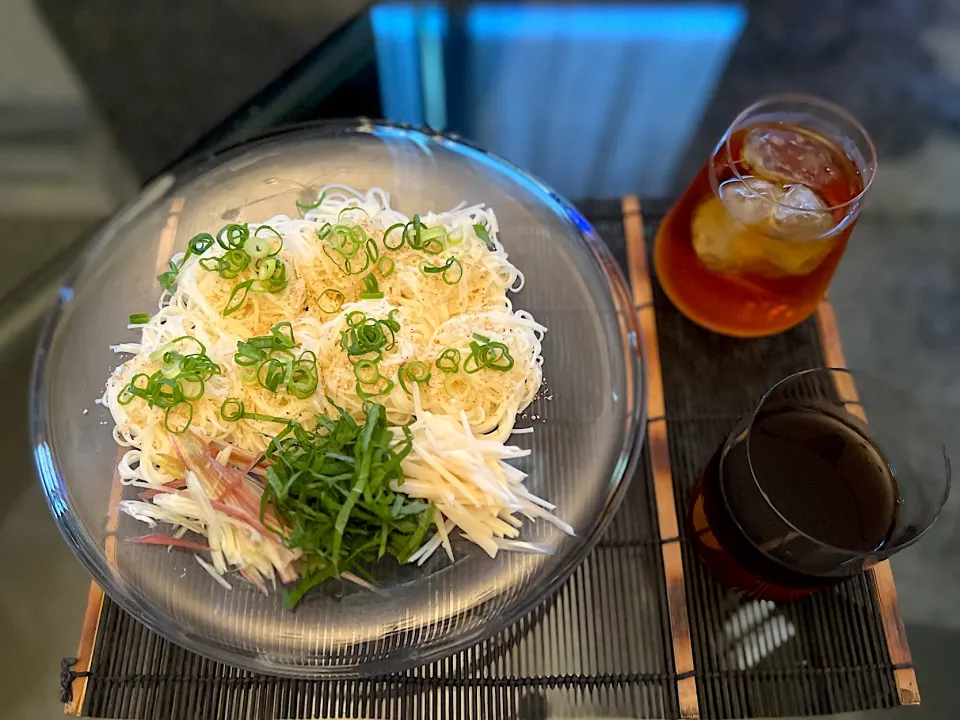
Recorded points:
(750,304)
(822,476)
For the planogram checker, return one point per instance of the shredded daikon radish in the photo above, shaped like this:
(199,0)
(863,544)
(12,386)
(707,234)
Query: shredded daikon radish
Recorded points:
(470,484)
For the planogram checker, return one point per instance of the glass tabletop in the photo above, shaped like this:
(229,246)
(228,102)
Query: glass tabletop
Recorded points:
(597,100)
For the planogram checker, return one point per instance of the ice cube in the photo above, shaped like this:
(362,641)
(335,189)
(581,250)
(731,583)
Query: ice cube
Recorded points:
(752,201)
(790,156)
(801,214)
(726,245)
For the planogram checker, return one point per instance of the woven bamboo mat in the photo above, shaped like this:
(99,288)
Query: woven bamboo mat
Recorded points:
(639,630)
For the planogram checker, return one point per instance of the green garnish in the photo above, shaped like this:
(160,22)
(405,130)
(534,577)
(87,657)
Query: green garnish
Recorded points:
(365,341)
(179,380)
(139,319)
(388,246)
(455,238)
(418,237)
(450,272)
(485,353)
(238,296)
(332,491)
(276,364)
(233,236)
(312,206)
(343,245)
(370,382)
(232,410)
(367,338)
(197,245)
(168,279)
(242,252)
(484,236)
(330,301)
(416,372)
(371,288)
(448,361)
(386,266)
(432,240)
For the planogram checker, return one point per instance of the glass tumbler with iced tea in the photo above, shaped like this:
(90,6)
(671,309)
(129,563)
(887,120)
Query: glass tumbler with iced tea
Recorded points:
(750,247)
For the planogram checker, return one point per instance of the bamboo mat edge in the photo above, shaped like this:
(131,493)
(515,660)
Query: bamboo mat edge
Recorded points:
(886,589)
(669,523)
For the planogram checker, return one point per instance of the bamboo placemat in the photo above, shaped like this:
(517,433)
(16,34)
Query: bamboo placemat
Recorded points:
(640,630)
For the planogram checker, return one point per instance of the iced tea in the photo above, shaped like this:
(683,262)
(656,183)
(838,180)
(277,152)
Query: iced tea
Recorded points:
(751,245)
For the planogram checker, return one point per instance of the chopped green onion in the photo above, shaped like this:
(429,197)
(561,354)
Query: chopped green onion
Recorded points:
(450,272)
(453,273)
(386,234)
(367,372)
(456,237)
(371,288)
(237,297)
(282,334)
(386,266)
(484,236)
(184,423)
(161,351)
(257,247)
(271,373)
(278,236)
(199,244)
(248,354)
(180,379)
(448,361)
(139,319)
(312,206)
(350,268)
(232,410)
(485,353)
(372,250)
(275,363)
(416,227)
(367,336)
(348,209)
(168,279)
(432,240)
(416,371)
(305,378)
(376,391)
(330,301)
(233,236)
(266,268)
(233,263)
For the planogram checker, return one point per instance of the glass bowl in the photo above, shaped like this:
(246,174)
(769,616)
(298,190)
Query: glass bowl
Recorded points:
(587,420)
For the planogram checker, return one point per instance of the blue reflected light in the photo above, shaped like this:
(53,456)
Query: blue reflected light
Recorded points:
(597,100)
(48,476)
(605,21)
